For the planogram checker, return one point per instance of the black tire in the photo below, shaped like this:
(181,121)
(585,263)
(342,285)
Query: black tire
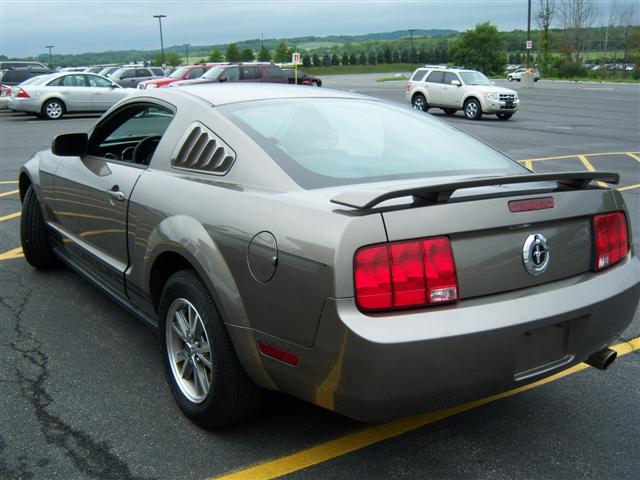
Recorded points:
(232,396)
(449,111)
(418,102)
(472,109)
(510,78)
(504,116)
(316,83)
(53,109)
(536,79)
(33,234)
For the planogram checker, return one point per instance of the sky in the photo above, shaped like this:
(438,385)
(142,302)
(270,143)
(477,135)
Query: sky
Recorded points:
(78,26)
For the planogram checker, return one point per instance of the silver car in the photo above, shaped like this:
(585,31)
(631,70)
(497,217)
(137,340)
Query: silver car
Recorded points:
(51,96)
(129,77)
(354,253)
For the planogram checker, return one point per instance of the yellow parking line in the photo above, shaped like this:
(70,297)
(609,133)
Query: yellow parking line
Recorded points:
(629,187)
(6,194)
(10,216)
(7,182)
(577,155)
(528,164)
(375,434)
(632,155)
(588,166)
(11,254)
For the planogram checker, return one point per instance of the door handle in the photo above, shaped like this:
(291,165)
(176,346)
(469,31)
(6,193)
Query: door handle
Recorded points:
(116,194)
(65,91)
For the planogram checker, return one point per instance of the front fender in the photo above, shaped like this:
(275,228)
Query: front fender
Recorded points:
(39,171)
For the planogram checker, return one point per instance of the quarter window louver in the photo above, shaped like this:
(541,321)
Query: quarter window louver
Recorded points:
(203,151)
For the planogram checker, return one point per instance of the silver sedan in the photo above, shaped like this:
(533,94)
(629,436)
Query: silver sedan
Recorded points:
(51,96)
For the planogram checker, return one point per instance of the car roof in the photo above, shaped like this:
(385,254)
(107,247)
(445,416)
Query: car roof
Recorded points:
(221,94)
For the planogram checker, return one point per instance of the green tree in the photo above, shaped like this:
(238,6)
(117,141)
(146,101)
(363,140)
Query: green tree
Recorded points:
(334,59)
(157,60)
(173,59)
(345,59)
(232,54)
(280,53)
(247,55)
(326,60)
(353,59)
(387,58)
(306,61)
(315,59)
(215,55)
(362,60)
(481,48)
(264,55)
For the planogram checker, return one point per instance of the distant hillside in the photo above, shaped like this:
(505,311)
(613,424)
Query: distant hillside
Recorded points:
(309,42)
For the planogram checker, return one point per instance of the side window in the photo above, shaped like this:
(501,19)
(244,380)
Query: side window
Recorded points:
(250,73)
(158,72)
(56,83)
(128,74)
(275,72)
(195,73)
(448,77)
(95,81)
(143,72)
(131,134)
(232,74)
(419,75)
(73,81)
(435,77)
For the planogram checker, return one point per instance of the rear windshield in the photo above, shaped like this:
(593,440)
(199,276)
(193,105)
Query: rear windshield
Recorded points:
(329,142)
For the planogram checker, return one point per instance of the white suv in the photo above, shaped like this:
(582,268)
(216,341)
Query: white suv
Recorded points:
(456,89)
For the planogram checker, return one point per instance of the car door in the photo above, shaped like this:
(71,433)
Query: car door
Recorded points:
(451,95)
(128,79)
(73,90)
(250,74)
(105,93)
(143,74)
(433,85)
(91,193)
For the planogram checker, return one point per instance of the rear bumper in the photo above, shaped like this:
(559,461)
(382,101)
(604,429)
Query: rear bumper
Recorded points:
(376,368)
(24,105)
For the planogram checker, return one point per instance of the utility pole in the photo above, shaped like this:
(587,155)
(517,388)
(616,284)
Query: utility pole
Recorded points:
(50,56)
(411,30)
(529,36)
(261,40)
(186,51)
(160,17)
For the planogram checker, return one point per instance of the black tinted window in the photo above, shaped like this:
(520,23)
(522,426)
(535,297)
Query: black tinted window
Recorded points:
(128,74)
(275,72)
(232,74)
(196,73)
(419,75)
(158,71)
(142,72)
(250,73)
(448,77)
(435,77)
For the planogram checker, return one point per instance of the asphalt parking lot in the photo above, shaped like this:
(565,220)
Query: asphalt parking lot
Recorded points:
(82,393)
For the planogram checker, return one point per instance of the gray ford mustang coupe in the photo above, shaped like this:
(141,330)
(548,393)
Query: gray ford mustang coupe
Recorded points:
(350,252)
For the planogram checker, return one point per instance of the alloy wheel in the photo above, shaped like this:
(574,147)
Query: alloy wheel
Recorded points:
(54,110)
(189,350)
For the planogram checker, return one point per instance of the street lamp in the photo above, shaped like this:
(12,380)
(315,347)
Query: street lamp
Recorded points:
(160,17)
(186,51)
(50,56)
(411,30)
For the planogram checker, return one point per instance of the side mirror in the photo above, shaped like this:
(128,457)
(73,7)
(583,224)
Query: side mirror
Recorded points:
(456,83)
(223,79)
(492,82)
(114,85)
(70,145)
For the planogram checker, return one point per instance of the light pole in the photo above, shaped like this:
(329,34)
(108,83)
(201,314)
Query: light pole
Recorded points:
(186,51)
(160,17)
(529,36)
(50,56)
(411,30)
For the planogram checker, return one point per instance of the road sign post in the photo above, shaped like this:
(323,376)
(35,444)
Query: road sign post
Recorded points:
(295,58)
(529,44)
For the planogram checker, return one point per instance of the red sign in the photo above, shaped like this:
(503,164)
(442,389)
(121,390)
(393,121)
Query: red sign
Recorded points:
(529,44)
(295,58)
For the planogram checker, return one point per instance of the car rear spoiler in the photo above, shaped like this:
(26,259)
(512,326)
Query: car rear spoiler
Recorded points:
(440,193)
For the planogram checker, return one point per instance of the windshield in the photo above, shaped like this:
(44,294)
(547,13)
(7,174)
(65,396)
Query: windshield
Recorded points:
(179,73)
(474,78)
(330,142)
(37,80)
(213,72)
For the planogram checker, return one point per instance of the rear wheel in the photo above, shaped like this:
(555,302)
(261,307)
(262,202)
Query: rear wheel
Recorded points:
(504,116)
(52,109)
(206,378)
(510,78)
(33,234)
(419,103)
(449,111)
(472,109)
(315,83)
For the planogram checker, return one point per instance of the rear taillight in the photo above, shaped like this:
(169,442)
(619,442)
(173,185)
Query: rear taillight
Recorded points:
(405,274)
(5,90)
(22,93)
(610,238)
